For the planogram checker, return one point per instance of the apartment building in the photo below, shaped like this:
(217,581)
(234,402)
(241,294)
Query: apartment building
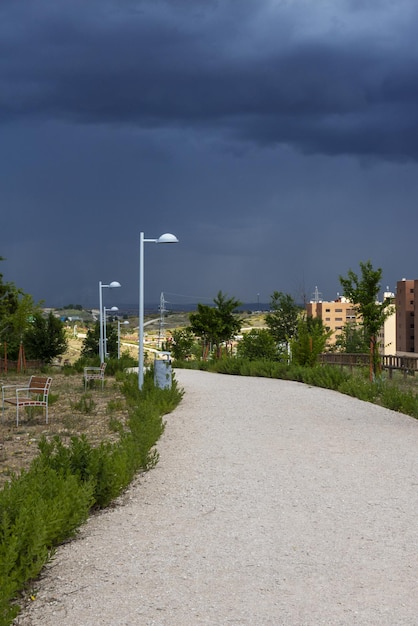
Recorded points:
(340,312)
(335,314)
(387,337)
(405,315)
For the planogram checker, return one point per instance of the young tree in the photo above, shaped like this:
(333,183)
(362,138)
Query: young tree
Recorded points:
(216,325)
(363,292)
(257,344)
(351,339)
(282,320)
(45,338)
(90,346)
(9,302)
(309,341)
(182,344)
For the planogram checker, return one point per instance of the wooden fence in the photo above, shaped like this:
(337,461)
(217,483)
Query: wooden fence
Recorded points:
(6,365)
(405,364)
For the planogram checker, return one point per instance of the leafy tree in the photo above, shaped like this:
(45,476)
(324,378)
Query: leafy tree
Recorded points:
(352,339)
(257,344)
(282,320)
(363,292)
(216,325)
(16,311)
(309,341)
(182,345)
(45,338)
(90,346)
(9,302)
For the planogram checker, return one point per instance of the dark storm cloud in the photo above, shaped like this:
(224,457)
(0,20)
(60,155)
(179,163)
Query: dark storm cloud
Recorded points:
(276,138)
(324,87)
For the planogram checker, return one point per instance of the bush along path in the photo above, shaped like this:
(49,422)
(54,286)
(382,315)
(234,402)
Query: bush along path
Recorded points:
(45,505)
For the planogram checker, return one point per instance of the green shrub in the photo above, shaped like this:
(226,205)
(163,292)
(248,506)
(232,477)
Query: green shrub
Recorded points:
(45,505)
(403,401)
(85,404)
(327,377)
(38,510)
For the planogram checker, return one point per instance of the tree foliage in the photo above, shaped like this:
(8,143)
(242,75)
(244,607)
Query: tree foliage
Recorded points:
(90,345)
(45,338)
(16,312)
(282,320)
(216,325)
(363,292)
(309,341)
(182,345)
(9,301)
(258,344)
(352,340)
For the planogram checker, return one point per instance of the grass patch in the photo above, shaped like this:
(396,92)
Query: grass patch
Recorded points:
(85,404)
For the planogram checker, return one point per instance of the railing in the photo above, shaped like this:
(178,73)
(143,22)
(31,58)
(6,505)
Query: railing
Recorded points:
(406,364)
(8,365)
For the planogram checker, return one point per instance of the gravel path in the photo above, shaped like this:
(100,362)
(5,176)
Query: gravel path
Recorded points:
(273,503)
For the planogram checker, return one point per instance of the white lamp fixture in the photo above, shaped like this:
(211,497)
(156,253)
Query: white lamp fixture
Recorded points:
(112,285)
(165,238)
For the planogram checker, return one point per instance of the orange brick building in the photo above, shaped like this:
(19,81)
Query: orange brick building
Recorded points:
(406,305)
(335,314)
(338,313)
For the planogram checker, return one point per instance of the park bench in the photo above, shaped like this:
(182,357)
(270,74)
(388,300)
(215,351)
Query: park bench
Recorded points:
(94,373)
(35,393)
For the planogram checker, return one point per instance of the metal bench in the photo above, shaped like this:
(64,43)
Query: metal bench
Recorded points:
(94,373)
(34,394)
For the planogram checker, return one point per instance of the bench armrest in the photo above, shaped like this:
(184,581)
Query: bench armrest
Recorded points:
(6,390)
(9,387)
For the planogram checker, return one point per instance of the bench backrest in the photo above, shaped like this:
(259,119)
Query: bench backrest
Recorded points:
(40,385)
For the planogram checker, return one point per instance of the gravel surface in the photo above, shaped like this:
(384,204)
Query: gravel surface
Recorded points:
(273,503)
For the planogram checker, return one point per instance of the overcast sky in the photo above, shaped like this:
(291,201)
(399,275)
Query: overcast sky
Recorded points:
(278,139)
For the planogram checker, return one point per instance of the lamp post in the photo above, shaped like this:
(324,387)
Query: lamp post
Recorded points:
(166,238)
(113,309)
(112,285)
(125,323)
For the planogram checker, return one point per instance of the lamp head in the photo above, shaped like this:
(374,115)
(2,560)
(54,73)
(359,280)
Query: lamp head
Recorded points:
(114,283)
(167,238)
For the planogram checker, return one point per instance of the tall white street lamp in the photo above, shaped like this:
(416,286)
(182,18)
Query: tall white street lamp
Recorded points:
(166,238)
(113,309)
(125,323)
(112,285)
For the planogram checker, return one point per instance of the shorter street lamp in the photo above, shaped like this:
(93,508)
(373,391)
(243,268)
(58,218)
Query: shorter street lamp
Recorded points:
(113,309)
(166,238)
(125,323)
(112,285)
